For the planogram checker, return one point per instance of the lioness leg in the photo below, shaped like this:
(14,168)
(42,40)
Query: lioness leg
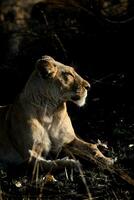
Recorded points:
(51,165)
(88,151)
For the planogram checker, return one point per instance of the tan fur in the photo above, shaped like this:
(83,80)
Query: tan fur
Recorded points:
(38,121)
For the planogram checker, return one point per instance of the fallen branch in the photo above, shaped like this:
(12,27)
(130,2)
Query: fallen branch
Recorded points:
(90,152)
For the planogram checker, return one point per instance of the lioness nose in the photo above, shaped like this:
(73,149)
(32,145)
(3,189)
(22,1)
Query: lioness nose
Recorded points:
(87,85)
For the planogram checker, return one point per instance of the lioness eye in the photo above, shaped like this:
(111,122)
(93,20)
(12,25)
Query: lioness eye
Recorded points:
(67,76)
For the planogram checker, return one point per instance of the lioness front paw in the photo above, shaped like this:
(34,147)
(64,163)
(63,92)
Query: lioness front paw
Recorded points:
(105,160)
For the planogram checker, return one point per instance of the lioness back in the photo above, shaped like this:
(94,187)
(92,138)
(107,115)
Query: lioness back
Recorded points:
(8,153)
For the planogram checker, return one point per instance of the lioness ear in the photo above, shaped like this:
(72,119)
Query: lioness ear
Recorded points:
(46,68)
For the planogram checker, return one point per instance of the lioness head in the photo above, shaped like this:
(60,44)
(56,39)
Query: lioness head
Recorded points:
(63,83)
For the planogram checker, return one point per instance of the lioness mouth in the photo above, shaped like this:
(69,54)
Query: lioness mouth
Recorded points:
(75,98)
(80,100)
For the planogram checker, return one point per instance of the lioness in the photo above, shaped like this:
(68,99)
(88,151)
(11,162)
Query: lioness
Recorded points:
(38,123)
